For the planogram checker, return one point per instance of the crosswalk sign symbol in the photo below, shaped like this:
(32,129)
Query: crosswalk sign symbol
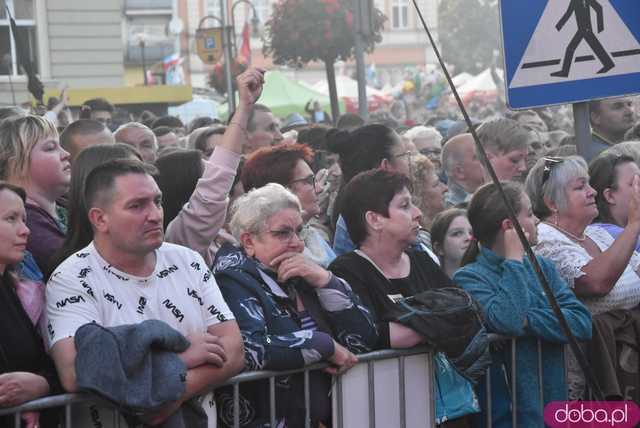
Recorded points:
(565,51)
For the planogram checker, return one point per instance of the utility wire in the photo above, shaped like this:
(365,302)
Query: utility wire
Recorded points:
(573,343)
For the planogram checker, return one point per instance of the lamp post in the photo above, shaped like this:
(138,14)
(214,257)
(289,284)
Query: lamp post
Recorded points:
(255,21)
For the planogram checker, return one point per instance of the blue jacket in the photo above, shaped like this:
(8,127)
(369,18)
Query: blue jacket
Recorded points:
(511,297)
(274,339)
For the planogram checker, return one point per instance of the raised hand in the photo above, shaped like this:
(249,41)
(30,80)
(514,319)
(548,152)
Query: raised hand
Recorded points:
(250,84)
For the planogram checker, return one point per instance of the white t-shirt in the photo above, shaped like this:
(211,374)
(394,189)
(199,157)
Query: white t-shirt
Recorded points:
(181,292)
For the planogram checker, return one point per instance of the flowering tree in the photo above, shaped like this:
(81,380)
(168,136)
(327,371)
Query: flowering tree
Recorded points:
(301,31)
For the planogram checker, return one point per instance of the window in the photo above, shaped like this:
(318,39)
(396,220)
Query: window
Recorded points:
(23,12)
(400,14)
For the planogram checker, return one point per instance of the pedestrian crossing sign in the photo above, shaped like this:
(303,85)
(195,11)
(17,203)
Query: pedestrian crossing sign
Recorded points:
(567,51)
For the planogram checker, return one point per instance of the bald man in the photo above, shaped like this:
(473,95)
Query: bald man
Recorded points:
(463,168)
(141,137)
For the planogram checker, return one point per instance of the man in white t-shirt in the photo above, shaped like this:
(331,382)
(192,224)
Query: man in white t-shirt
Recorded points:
(128,275)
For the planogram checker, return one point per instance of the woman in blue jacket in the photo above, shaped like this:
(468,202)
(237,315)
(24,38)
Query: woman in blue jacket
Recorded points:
(497,274)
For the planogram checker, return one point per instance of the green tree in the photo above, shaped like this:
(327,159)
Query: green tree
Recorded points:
(469,33)
(301,31)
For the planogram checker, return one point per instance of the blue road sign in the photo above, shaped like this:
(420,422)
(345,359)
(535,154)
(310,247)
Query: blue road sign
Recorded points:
(566,51)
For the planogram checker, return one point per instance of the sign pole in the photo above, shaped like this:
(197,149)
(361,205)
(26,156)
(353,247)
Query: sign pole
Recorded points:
(226,43)
(363,27)
(582,127)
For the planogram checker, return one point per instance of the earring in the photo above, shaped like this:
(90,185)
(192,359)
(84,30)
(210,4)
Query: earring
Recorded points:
(555,217)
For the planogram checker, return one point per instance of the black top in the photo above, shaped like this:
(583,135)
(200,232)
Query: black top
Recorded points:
(377,292)
(21,348)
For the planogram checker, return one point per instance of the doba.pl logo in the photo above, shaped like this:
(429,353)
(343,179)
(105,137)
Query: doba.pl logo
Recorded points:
(592,414)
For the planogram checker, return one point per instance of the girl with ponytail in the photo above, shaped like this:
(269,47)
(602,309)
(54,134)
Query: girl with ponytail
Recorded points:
(497,274)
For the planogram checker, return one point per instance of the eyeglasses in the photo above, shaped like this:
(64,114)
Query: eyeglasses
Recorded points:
(549,164)
(430,152)
(286,235)
(310,180)
(403,154)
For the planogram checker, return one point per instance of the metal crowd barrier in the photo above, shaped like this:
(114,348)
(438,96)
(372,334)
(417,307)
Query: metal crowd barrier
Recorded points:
(376,366)
(495,338)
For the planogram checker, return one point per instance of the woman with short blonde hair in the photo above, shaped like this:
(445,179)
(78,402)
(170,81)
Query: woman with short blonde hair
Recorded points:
(31,157)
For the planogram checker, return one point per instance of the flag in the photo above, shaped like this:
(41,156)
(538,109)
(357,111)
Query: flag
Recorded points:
(245,47)
(34,85)
(170,61)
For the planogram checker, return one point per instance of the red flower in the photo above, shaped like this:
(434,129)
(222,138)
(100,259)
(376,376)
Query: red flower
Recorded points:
(348,18)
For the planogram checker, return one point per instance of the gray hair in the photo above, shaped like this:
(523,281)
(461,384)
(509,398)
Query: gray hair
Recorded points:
(626,148)
(428,132)
(251,211)
(555,187)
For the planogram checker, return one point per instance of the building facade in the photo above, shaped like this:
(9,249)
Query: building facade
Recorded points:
(72,42)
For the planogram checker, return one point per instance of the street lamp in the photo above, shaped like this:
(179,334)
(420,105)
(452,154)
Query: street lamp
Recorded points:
(255,21)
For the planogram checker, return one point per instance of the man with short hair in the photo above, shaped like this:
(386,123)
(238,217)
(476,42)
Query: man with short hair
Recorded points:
(84,133)
(165,137)
(530,119)
(127,275)
(141,137)
(610,120)
(463,168)
(100,110)
(263,129)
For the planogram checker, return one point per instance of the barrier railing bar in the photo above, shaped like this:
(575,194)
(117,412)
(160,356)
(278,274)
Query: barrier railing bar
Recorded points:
(116,415)
(17,420)
(340,409)
(433,392)
(539,343)
(401,396)
(236,405)
(272,401)
(307,401)
(68,399)
(514,390)
(489,422)
(372,394)
(68,423)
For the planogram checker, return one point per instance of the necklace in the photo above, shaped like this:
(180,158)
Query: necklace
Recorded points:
(566,232)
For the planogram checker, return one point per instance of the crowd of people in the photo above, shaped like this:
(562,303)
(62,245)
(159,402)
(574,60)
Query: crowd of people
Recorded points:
(158,251)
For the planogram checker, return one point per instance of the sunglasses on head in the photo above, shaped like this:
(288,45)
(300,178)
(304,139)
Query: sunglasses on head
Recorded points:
(549,164)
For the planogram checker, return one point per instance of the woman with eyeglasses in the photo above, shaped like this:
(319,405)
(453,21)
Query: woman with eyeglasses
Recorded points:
(365,148)
(601,269)
(289,165)
(292,312)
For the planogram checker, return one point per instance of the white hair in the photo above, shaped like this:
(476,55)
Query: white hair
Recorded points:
(555,186)
(427,132)
(251,211)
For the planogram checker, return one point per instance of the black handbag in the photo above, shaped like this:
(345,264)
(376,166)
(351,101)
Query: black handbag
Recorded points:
(451,321)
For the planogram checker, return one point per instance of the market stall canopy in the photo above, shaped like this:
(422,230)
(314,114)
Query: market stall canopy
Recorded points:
(482,84)
(285,96)
(347,88)
(197,108)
